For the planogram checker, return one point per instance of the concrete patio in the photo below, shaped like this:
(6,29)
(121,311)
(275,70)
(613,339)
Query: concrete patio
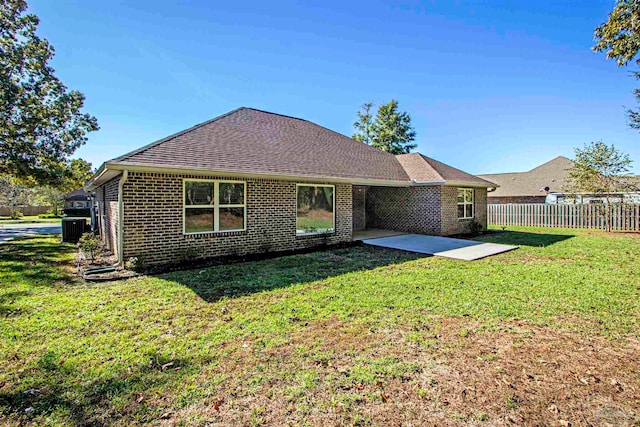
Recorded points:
(467,250)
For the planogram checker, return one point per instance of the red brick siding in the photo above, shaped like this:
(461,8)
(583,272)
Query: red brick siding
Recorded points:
(359,207)
(409,209)
(450,222)
(153,220)
(107,200)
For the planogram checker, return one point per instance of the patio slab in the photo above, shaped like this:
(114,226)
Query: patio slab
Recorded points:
(467,250)
(374,233)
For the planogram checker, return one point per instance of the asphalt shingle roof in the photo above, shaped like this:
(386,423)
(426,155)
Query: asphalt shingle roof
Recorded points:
(253,141)
(421,168)
(553,174)
(250,141)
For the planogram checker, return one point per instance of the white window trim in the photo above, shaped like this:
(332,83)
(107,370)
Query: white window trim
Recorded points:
(317,233)
(465,202)
(216,206)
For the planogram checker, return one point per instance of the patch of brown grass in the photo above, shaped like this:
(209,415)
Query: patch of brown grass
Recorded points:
(449,371)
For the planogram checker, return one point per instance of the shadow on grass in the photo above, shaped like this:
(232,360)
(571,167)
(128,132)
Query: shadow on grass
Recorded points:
(521,238)
(35,260)
(234,280)
(52,387)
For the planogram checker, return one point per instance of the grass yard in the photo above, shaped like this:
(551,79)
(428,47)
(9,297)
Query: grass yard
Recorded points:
(544,335)
(31,219)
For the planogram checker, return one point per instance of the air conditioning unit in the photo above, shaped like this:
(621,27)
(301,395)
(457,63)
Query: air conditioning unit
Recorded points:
(72,229)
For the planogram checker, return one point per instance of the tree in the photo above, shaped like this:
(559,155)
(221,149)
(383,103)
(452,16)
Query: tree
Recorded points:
(41,123)
(52,197)
(390,131)
(13,193)
(76,173)
(599,169)
(619,37)
(364,124)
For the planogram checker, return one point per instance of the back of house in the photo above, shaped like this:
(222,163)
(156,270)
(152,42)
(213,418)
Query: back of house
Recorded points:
(251,181)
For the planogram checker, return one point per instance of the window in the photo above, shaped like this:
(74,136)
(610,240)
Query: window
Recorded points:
(214,206)
(465,203)
(315,209)
(79,204)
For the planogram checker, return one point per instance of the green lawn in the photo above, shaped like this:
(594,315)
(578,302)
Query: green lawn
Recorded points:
(30,219)
(359,336)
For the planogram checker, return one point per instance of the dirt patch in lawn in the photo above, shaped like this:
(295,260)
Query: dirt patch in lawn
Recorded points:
(530,375)
(444,371)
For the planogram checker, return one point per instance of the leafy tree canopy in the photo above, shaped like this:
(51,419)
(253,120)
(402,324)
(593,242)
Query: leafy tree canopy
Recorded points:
(619,38)
(599,169)
(390,131)
(41,123)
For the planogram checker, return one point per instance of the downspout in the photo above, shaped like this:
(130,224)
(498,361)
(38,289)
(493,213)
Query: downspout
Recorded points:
(123,179)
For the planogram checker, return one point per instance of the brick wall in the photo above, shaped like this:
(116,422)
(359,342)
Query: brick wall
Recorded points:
(153,215)
(409,209)
(359,207)
(450,223)
(107,200)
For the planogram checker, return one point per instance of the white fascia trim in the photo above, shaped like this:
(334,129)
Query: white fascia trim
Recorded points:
(415,182)
(298,178)
(468,184)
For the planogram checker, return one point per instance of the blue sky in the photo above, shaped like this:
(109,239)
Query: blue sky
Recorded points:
(492,86)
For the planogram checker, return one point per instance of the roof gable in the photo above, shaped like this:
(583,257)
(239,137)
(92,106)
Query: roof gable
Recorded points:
(423,169)
(553,174)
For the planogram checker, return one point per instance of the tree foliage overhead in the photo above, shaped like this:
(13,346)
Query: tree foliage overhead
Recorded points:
(619,38)
(390,131)
(599,169)
(41,123)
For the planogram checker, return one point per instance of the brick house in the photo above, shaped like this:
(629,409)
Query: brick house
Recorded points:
(250,181)
(530,186)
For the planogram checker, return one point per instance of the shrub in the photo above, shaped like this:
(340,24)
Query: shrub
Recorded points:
(474,228)
(16,215)
(134,263)
(49,215)
(91,245)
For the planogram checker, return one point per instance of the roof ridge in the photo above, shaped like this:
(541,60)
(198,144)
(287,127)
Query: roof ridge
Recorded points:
(271,112)
(530,170)
(430,159)
(426,159)
(549,161)
(175,135)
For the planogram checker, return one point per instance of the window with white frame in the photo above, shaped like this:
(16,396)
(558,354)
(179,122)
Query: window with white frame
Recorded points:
(214,206)
(465,203)
(315,212)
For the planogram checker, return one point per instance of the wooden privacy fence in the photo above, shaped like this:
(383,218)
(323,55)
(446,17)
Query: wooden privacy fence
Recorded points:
(26,210)
(615,217)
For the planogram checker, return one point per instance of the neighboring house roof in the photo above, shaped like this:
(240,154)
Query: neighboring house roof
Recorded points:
(250,142)
(79,194)
(553,174)
(425,170)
